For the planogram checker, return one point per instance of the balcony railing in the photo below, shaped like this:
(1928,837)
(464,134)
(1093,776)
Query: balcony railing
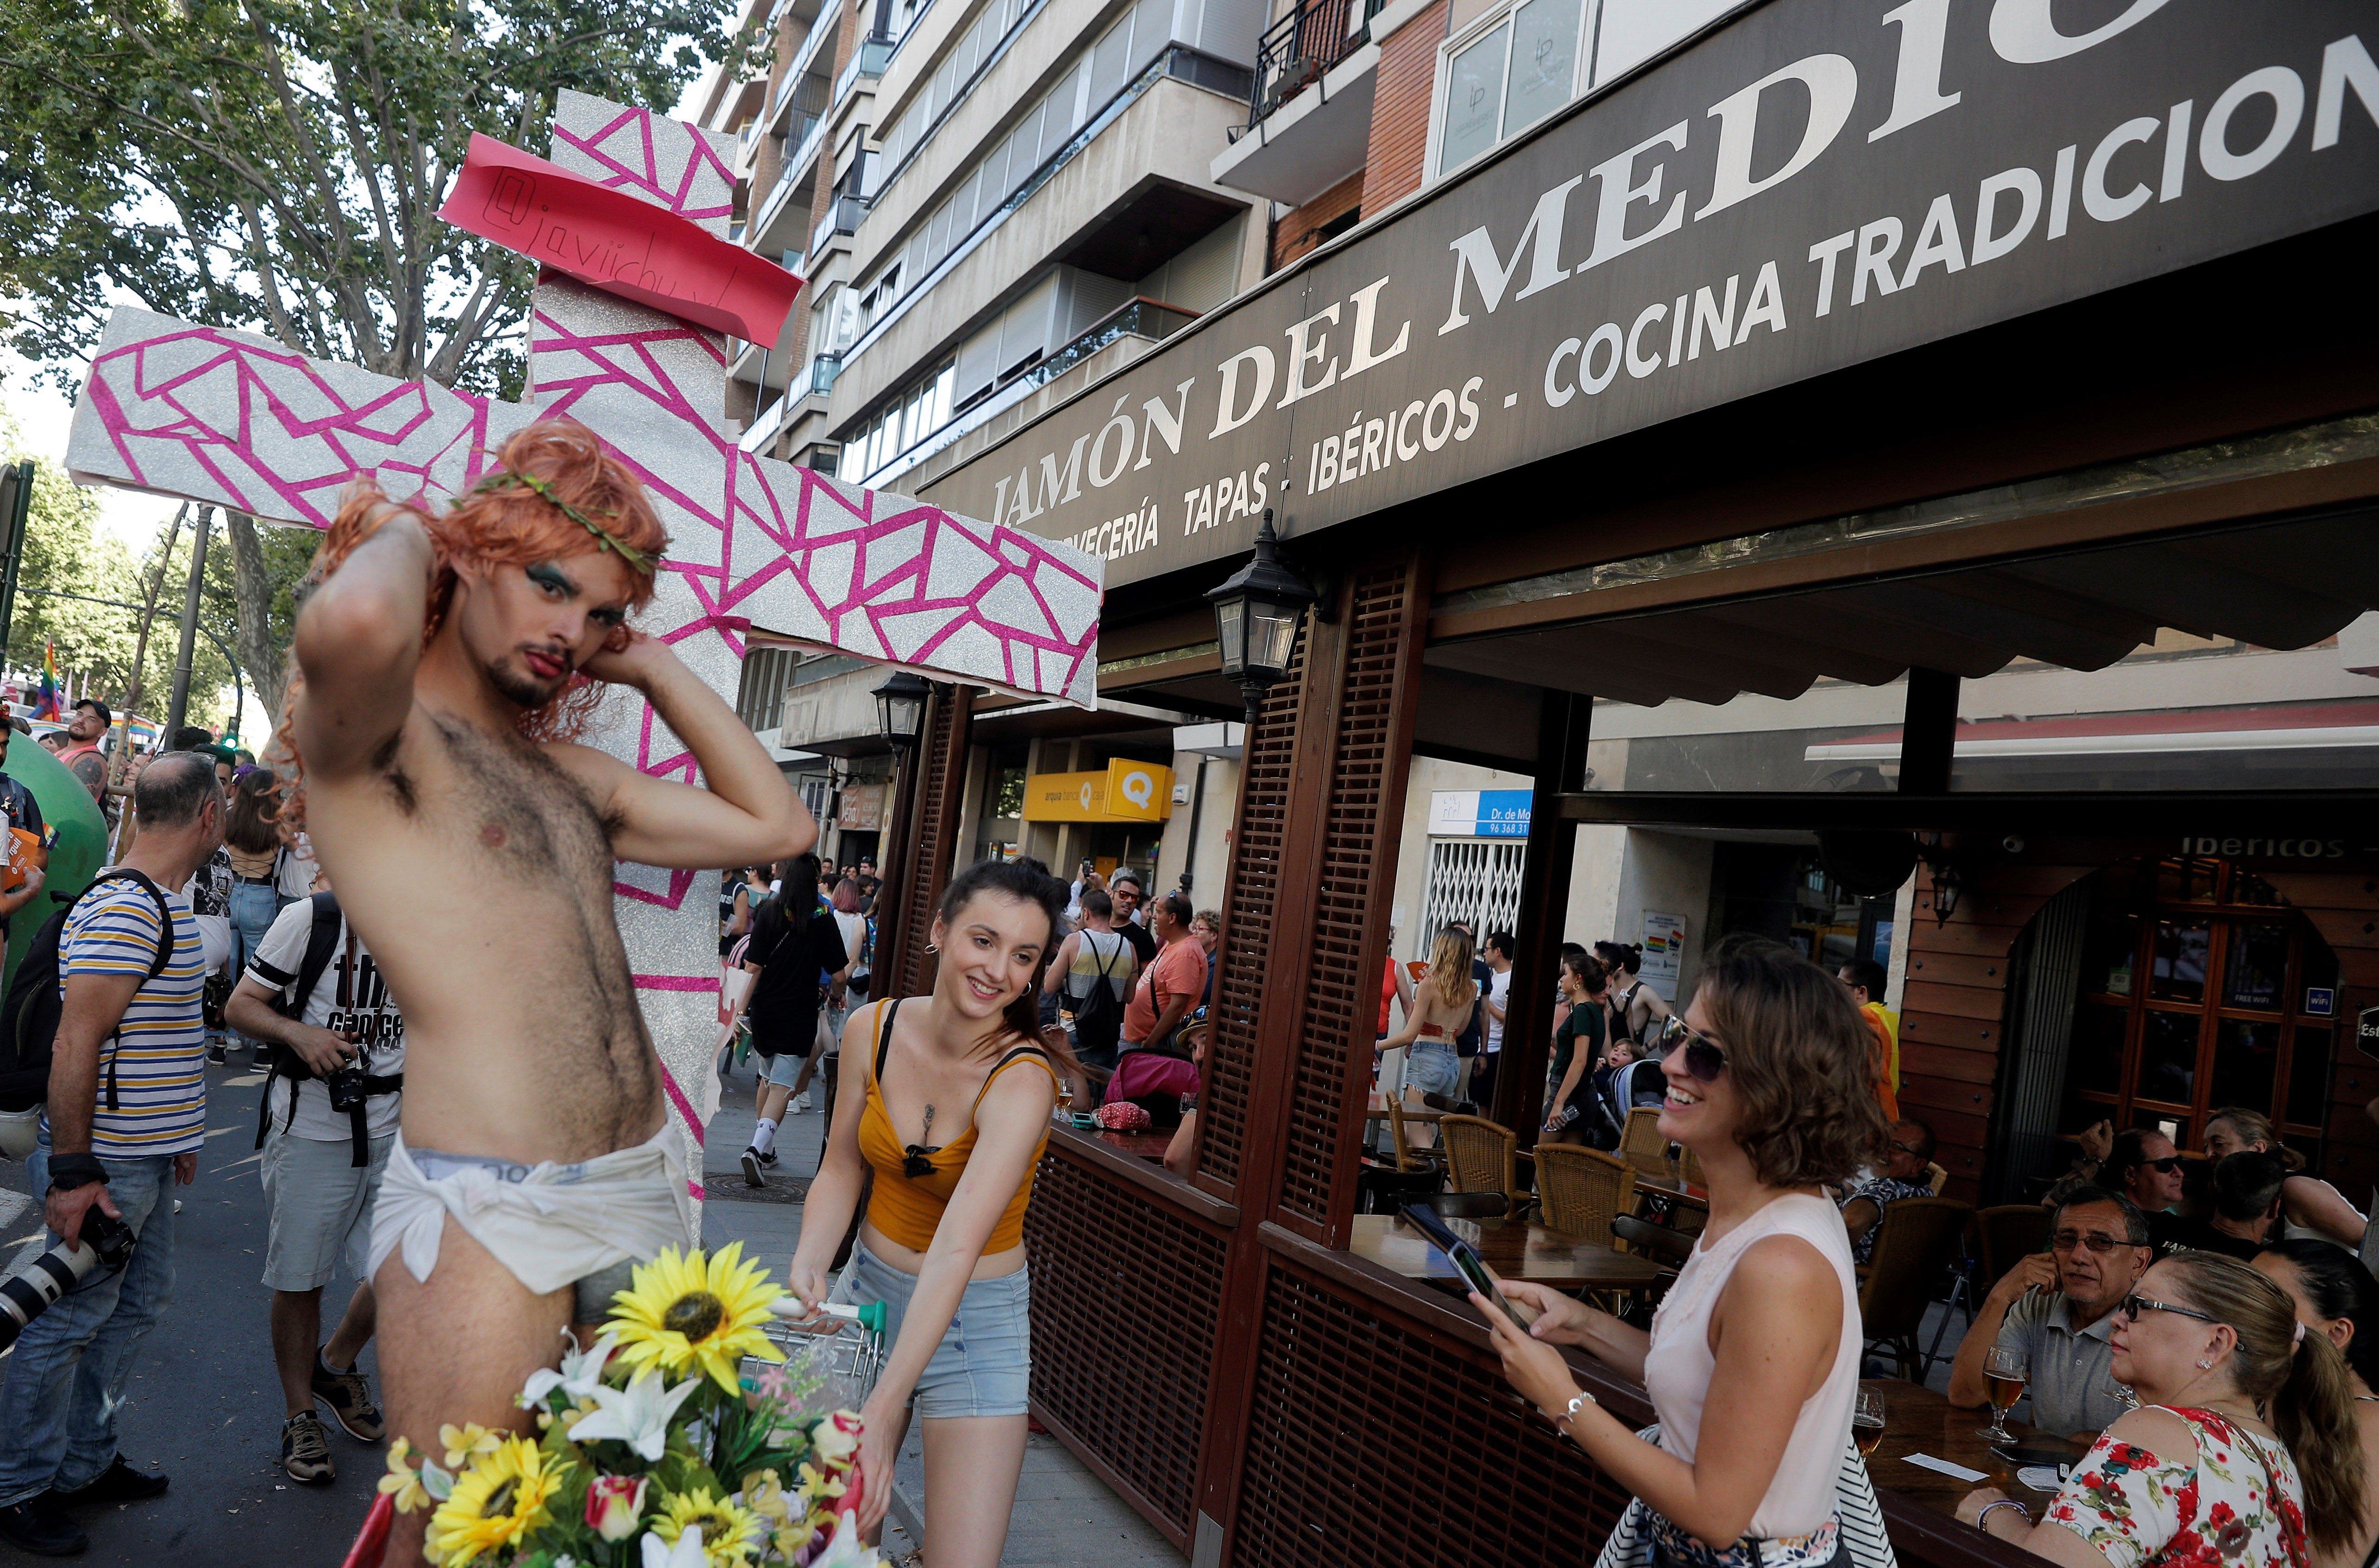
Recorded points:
(841,217)
(780,196)
(812,129)
(816,380)
(1138,317)
(1298,49)
(874,55)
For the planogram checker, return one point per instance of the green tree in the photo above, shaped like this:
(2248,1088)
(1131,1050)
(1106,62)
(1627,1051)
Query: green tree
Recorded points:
(277,165)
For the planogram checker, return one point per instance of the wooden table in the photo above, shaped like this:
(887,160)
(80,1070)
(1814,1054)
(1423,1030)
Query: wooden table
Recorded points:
(1918,1420)
(1379,1107)
(1513,1248)
(1669,1190)
(1141,1145)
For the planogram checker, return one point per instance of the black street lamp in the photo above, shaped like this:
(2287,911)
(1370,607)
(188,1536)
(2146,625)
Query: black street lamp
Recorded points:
(1257,610)
(900,708)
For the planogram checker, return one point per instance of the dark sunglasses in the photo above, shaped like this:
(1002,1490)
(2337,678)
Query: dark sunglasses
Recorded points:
(2098,1241)
(2168,1164)
(1704,1058)
(2133,1306)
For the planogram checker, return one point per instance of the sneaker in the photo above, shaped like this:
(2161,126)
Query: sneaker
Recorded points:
(350,1399)
(751,1166)
(801,1101)
(306,1450)
(769,1160)
(217,1056)
(119,1483)
(39,1525)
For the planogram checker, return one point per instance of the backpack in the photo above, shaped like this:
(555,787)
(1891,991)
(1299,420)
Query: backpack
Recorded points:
(29,1020)
(321,946)
(1098,1017)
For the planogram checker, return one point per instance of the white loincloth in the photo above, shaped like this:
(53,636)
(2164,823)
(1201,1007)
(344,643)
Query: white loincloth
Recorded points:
(551,1224)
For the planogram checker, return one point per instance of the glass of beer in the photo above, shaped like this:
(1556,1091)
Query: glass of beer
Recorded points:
(2005,1372)
(1866,1422)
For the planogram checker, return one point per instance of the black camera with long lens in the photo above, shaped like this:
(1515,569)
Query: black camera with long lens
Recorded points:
(105,1247)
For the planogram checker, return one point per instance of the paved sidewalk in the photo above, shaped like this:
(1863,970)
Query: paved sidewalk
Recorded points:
(1063,1514)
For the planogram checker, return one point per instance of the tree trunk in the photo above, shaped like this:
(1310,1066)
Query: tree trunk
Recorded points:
(252,589)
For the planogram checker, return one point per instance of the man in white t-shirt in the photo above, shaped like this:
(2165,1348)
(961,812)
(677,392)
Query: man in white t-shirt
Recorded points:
(1498,954)
(322,1164)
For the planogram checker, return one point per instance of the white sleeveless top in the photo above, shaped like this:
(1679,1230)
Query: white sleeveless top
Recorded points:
(1677,1368)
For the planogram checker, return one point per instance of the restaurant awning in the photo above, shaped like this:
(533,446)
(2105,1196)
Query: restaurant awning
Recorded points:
(2294,726)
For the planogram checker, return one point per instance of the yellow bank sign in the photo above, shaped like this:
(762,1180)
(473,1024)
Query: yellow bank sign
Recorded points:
(1122,791)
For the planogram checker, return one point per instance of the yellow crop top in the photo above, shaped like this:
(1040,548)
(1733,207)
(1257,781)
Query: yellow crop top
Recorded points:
(907,1208)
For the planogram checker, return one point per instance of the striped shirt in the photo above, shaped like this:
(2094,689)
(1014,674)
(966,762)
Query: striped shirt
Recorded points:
(159,1056)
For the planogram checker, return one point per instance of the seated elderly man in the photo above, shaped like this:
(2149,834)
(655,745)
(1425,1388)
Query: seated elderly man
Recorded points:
(1903,1176)
(2057,1307)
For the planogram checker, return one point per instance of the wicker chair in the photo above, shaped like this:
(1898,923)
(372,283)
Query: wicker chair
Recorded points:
(1408,1157)
(1641,1145)
(1481,1155)
(1689,1169)
(1914,1248)
(1583,1190)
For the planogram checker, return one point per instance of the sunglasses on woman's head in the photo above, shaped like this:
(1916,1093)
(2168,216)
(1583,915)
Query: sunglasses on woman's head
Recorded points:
(1704,1058)
(2132,1306)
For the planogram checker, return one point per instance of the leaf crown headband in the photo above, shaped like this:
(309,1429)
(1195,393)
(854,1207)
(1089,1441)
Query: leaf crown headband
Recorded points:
(504,479)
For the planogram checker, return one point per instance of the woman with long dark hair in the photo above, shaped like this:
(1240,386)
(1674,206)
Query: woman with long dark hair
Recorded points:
(2337,1298)
(2243,1449)
(947,1101)
(1769,1089)
(795,954)
(1638,1013)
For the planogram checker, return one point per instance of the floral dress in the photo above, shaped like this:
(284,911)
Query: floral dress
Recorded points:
(2241,1506)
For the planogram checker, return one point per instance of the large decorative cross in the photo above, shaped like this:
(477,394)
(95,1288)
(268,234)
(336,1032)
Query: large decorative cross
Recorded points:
(236,420)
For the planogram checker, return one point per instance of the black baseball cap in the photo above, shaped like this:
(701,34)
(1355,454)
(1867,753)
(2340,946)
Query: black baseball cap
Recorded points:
(96,707)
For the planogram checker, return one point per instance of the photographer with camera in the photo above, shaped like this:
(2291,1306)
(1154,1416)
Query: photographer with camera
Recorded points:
(335,1043)
(126,1107)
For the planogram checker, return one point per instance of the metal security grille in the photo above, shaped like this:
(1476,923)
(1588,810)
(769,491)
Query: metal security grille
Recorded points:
(1476,881)
(941,760)
(1246,963)
(1125,1294)
(1343,1395)
(1342,996)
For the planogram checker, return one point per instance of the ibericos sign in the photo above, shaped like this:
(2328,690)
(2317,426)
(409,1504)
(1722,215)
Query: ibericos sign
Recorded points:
(1814,183)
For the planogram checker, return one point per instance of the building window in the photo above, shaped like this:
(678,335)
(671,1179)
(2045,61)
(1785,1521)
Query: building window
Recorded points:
(760,692)
(1504,73)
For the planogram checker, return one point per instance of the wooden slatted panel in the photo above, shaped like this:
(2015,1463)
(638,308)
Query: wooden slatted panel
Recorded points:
(1125,1298)
(1368,1443)
(1248,923)
(1342,997)
(941,760)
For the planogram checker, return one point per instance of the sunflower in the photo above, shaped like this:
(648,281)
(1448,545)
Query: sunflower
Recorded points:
(500,1500)
(696,1313)
(728,1531)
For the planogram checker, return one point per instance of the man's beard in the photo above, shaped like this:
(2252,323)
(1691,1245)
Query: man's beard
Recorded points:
(518,686)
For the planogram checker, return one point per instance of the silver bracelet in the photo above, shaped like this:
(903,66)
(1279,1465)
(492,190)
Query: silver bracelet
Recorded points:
(1982,1519)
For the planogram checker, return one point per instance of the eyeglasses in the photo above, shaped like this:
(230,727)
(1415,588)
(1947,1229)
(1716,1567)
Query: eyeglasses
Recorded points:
(1704,1058)
(2168,1164)
(2098,1241)
(2135,1305)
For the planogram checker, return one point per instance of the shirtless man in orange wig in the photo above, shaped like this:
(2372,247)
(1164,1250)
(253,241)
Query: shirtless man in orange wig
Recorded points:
(445,663)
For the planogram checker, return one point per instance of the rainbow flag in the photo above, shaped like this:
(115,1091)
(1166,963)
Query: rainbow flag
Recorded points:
(47,705)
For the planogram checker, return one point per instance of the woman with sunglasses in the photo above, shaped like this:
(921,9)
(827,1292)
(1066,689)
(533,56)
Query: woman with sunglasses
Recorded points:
(2337,1298)
(2313,1208)
(2243,1449)
(1770,1089)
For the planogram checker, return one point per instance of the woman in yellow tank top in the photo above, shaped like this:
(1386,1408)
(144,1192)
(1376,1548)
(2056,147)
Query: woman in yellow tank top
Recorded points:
(946,1099)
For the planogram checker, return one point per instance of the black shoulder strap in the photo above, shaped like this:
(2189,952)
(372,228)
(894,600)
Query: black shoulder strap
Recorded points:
(884,1038)
(322,944)
(1106,956)
(164,914)
(1001,1066)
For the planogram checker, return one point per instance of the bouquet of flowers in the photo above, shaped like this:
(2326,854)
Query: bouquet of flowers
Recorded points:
(679,1439)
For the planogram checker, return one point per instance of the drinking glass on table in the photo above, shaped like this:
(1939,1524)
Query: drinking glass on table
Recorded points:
(2005,1371)
(1866,1422)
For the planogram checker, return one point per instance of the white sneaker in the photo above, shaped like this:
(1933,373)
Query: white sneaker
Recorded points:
(802,1101)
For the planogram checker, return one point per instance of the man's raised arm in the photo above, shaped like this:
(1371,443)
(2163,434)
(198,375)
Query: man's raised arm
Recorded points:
(748,815)
(358,639)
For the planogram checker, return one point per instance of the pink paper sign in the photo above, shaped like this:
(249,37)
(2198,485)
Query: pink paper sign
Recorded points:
(619,243)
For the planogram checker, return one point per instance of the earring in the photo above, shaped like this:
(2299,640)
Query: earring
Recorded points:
(931,949)
(2204,1366)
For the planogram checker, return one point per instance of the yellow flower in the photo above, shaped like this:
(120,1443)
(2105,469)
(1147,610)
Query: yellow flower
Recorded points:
(793,1536)
(727,1532)
(763,1494)
(575,1414)
(498,1501)
(472,1440)
(403,1482)
(696,1313)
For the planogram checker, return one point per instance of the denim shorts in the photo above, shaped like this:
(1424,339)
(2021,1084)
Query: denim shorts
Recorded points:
(984,1365)
(1432,1067)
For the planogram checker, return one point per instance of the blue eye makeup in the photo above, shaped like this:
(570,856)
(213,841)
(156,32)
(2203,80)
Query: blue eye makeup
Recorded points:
(547,576)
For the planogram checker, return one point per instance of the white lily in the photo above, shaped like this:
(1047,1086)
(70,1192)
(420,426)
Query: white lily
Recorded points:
(637,1415)
(687,1553)
(580,1371)
(845,1551)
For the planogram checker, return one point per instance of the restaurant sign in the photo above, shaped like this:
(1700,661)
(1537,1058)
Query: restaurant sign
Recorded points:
(1815,184)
